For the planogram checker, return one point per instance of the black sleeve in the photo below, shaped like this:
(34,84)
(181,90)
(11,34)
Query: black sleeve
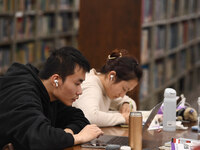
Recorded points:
(28,128)
(70,117)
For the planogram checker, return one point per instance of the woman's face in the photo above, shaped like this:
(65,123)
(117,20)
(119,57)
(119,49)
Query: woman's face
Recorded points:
(116,90)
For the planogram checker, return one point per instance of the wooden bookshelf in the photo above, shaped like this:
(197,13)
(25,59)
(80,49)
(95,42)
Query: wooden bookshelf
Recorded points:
(30,29)
(164,35)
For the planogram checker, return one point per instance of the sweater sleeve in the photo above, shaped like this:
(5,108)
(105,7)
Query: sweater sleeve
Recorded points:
(117,103)
(96,108)
(70,117)
(28,128)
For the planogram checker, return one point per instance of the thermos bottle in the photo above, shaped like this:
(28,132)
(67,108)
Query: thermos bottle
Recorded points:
(135,130)
(169,113)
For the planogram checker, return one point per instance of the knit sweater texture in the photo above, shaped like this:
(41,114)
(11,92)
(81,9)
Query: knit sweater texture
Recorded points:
(97,106)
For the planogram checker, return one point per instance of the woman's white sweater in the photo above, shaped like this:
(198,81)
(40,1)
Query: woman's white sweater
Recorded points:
(97,106)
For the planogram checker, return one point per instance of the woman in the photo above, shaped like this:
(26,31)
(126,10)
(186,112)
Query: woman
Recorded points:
(106,90)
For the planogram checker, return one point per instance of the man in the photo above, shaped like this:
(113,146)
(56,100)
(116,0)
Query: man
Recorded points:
(35,107)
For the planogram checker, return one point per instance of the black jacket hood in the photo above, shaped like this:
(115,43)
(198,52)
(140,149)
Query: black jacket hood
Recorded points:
(18,76)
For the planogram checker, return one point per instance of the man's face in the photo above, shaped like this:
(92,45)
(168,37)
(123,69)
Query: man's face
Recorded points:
(70,89)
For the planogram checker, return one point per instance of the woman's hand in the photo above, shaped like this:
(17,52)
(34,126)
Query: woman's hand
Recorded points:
(125,108)
(88,133)
(126,116)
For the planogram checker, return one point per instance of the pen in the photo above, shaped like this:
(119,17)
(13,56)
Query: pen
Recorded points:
(131,106)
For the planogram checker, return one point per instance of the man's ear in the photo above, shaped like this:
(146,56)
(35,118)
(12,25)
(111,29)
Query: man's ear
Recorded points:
(55,80)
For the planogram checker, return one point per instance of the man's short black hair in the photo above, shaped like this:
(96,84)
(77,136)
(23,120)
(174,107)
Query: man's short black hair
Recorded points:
(63,62)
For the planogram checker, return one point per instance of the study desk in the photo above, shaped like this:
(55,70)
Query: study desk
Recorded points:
(151,139)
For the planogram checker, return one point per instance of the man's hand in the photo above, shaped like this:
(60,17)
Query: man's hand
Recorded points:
(88,133)
(67,130)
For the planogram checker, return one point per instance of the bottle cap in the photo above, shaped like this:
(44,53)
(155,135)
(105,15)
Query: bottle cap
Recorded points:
(169,92)
(136,114)
(125,148)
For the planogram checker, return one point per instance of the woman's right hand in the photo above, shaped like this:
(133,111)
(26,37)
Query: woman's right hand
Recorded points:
(88,133)
(126,116)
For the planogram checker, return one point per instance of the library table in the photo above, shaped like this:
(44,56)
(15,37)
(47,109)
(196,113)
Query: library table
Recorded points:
(151,139)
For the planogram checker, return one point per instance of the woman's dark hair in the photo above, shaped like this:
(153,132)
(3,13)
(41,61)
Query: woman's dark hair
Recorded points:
(63,61)
(125,66)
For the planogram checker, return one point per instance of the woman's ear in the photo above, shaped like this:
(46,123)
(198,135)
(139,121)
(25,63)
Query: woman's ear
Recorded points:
(112,75)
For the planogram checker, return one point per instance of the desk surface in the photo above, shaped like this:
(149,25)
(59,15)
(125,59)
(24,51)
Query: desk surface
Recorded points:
(151,139)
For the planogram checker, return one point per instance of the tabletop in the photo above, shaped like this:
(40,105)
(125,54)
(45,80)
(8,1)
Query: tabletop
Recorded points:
(151,139)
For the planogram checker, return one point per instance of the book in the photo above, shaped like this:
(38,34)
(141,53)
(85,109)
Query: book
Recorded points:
(174,5)
(46,25)
(158,74)
(147,9)
(173,36)
(160,41)
(144,46)
(144,86)
(4,58)
(64,22)
(25,53)
(170,67)
(182,61)
(46,46)
(6,29)
(160,9)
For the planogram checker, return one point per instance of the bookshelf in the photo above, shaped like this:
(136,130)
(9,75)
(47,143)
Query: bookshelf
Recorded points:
(29,29)
(164,35)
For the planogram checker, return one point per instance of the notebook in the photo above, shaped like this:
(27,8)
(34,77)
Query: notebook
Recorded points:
(104,140)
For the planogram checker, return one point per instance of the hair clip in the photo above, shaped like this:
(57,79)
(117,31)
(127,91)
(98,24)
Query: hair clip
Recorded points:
(109,57)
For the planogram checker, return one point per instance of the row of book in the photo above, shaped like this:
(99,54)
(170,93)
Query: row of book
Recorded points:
(64,41)
(26,5)
(6,6)
(46,25)
(30,5)
(62,5)
(28,53)
(164,72)
(183,33)
(47,5)
(25,53)
(161,9)
(64,22)
(179,34)
(25,27)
